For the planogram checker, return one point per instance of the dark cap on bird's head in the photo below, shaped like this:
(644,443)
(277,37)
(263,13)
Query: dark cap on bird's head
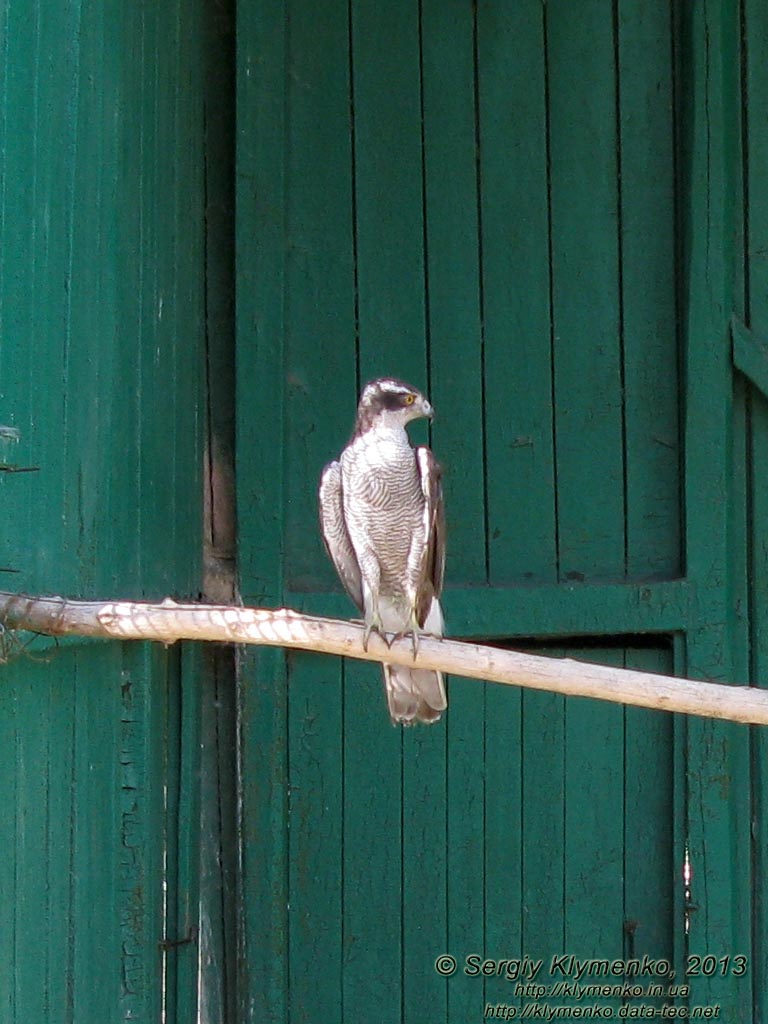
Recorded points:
(391,401)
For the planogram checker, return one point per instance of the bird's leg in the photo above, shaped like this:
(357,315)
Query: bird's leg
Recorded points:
(372,614)
(371,623)
(413,629)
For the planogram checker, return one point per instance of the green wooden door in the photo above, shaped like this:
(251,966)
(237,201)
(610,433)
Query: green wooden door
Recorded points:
(556,225)
(101,357)
(531,214)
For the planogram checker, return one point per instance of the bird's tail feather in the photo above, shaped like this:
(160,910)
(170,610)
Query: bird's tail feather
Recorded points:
(414,695)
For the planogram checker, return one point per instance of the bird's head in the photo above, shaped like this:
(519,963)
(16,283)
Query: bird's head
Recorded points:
(390,403)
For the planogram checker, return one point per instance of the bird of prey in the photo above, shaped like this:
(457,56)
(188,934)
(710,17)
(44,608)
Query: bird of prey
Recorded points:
(381,514)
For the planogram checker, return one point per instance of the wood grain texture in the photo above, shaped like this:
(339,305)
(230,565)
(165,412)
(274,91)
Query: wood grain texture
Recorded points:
(718,815)
(320,314)
(594,826)
(585,292)
(169,622)
(649,774)
(101,306)
(260,314)
(512,110)
(316,809)
(372,887)
(533,218)
(755,68)
(648,299)
(452,271)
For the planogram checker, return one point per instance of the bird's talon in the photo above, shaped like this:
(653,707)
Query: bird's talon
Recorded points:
(413,633)
(369,628)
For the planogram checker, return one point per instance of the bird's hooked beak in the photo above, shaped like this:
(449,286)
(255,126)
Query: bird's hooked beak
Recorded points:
(427,409)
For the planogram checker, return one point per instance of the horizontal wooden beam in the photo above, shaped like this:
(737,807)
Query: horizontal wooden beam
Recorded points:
(168,622)
(548,610)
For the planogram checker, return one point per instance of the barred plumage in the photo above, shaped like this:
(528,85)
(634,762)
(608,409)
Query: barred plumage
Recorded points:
(381,513)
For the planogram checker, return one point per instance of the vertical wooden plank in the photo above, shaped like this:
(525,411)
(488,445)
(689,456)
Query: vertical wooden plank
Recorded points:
(161,306)
(316,837)
(680,805)
(739,753)
(5,20)
(18,220)
(95,924)
(512,134)
(587,345)
(9,876)
(594,824)
(543,821)
(512,116)
(183,93)
(432,909)
(200,326)
(651,855)
(465,841)
(389,252)
(505,897)
(718,813)
(755,55)
(30,980)
(389,221)
(55,81)
(425,877)
(263,774)
(60,877)
(171,822)
(321,387)
(220,523)
(8,832)
(92,323)
(260,278)
(26,831)
(157,298)
(648,293)
(89,766)
(137,414)
(145,722)
(453,274)
(187,693)
(372,853)
(320,326)
(219,913)
(32,902)
(262,70)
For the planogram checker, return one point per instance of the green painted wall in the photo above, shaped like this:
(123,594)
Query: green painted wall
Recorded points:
(101,356)
(546,220)
(557,226)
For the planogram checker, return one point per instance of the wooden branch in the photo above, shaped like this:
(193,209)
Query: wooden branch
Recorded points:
(168,622)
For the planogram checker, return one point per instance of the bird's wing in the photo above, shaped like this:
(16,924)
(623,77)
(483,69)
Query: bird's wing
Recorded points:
(335,534)
(432,569)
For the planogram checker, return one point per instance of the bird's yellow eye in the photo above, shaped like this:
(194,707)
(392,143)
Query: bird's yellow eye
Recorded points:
(410,399)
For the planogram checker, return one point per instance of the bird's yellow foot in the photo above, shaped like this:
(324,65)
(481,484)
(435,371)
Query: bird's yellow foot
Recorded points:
(373,623)
(413,629)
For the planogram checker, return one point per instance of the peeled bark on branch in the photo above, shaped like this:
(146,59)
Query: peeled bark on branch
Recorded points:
(168,622)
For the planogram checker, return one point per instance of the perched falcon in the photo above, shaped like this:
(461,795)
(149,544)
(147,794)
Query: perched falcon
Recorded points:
(381,513)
